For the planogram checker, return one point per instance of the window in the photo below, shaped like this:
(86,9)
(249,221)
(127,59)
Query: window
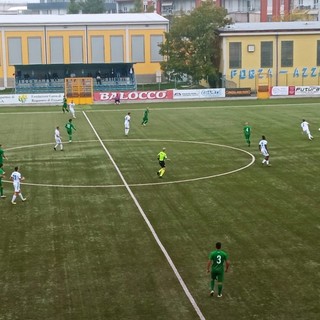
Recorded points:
(97,49)
(286,53)
(137,48)
(56,50)
(34,51)
(76,53)
(154,42)
(266,54)
(116,47)
(14,51)
(235,55)
(318,52)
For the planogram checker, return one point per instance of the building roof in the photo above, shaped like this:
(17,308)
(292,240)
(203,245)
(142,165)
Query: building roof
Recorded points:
(272,27)
(83,19)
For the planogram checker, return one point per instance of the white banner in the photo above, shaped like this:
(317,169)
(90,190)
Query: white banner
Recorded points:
(307,90)
(41,98)
(199,93)
(280,91)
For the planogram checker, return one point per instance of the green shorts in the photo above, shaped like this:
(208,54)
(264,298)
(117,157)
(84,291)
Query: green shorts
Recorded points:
(217,276)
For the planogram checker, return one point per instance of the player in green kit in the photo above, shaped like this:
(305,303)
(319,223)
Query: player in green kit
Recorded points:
(69,126)
(65,105)
(216,262)
(145,117)
(2,173)
(247,133)
(2,155)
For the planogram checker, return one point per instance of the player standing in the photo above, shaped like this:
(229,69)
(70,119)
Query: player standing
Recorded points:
(305,128)
(215,264)
(247,132)
(16,177)
(2,175)
(69,126)
(65,105)
(71,109)
(127,119)
(264,150)
(2,155)
(57,137)
(145,117)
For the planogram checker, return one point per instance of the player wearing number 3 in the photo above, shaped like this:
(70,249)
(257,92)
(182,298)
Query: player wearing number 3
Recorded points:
(216,261)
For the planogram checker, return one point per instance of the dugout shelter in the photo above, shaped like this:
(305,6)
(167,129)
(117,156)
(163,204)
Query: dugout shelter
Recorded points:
(51,78)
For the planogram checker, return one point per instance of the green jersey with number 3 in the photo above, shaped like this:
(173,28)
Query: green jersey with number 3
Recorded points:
(218,258)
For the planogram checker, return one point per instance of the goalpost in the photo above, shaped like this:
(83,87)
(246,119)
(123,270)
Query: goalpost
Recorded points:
(80,90)
(263,81)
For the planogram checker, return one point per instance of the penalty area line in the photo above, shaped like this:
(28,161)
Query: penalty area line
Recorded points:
(147,221)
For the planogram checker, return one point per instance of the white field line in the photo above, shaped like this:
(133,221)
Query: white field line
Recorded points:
(166,108)
(139,184)
(182,283)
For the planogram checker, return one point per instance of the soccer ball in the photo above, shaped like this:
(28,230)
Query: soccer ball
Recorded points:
(319,129)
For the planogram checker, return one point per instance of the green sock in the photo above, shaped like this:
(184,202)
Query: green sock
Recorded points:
(219,289)
(212,285)
(1,191)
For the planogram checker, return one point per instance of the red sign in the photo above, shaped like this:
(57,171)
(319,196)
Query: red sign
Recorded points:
(134,95)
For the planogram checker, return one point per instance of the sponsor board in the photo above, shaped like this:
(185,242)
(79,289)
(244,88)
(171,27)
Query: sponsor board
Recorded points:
(238,92)
(7,99)
(199,93)
(307,90)
(279,91)
(134,95)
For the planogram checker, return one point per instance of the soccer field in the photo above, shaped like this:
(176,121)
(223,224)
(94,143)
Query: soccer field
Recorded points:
(102,237)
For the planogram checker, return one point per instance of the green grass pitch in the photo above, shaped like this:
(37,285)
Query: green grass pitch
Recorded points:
(81,246)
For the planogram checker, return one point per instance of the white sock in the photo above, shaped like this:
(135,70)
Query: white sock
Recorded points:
(14,197)
(20,195)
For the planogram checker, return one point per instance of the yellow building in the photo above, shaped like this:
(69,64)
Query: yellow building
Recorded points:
(274,53)
(85,38)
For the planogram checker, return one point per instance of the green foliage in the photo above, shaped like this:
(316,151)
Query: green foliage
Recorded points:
(93,6)
(138,6)
(74,7)
(192,45)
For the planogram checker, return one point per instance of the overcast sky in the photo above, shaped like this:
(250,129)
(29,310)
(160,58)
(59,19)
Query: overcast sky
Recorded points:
(18,1)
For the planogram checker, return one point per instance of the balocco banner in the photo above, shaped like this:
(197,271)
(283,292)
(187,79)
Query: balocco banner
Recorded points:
(134,95)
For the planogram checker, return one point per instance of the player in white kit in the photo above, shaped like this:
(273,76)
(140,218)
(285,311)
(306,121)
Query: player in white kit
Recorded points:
(305,129)
(16,178)
(127,119)
(57,137)
(71,109)
(264,150)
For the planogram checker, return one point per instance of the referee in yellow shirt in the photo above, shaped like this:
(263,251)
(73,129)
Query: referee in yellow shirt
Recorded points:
(162,156)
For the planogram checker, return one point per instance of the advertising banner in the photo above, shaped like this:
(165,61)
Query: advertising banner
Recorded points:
(279,91)
(199,94)
(134,95)
(8,99)
(307,90)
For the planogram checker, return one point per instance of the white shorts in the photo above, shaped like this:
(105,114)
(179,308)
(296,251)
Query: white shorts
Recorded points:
(265,153)
(16,186)
(58,141)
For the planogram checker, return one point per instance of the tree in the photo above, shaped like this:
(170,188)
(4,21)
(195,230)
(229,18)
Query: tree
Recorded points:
(192,45)
(93,6)
(73,7)
(137,6)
